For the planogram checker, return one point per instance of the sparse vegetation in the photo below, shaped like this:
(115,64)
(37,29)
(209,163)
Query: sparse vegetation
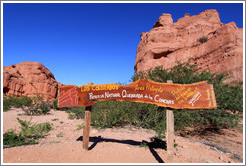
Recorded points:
(38,106)
(187,14)
(80,126)
(16,102)
(144,145)
(11,139)
(59,135)
(202,39)
(31,106)
(28,134)
(75,112)
(6,104)
(54,106)
(55,119)
(71,115)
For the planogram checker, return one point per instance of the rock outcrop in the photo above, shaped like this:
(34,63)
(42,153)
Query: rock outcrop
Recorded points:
(169,43)
(29,78)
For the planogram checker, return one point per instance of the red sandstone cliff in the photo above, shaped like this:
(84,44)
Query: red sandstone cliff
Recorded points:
(28,78)
(168,42)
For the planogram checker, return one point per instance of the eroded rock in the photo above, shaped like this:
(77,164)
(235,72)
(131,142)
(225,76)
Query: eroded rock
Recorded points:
(29,78)
(169,43)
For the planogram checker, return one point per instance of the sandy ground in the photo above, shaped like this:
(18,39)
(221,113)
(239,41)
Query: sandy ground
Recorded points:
(118,145)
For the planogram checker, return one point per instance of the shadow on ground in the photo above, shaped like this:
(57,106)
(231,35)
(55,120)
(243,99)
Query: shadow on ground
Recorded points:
(155,143)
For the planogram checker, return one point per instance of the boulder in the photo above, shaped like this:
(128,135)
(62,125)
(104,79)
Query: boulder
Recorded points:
(29,78)
(220,51)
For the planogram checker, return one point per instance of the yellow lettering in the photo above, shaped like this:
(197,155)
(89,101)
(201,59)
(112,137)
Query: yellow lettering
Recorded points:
(85,88)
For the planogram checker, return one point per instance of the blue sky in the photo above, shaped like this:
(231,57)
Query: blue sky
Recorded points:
(81,43)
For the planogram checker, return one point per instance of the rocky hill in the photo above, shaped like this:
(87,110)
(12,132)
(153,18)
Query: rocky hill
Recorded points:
(28,78)
(201,38)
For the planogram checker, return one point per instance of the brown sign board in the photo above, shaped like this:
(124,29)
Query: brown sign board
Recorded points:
(178,96)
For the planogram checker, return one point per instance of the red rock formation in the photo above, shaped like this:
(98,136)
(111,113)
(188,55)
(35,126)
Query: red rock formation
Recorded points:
(28,78)
(168,42)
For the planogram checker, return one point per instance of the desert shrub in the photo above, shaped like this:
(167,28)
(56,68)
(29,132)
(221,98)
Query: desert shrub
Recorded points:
(229,97)
(6,104)
(59,135)
(25,101)
(75,112)
(35,130)
(202,39)
(107,114)
(54,106)
(28,134)
(79,126)
(203,119)
(115,114)
(38,106)
(45,107)
(31,106)
(11,139)
(187,14)
(16,102)
(55,119)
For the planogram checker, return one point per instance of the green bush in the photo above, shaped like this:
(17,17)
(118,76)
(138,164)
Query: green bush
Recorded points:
(11,139)
(31,106)
(54,106)
(75,112)
(203,119)
(6,104)
(28,134)
(115,113)
(25,101)
(80,126)
(16,102)
(35,130)
(203,39)
(38,106)
(44,107)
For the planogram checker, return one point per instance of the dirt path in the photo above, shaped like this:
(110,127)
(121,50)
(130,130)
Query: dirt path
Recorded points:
(63,144)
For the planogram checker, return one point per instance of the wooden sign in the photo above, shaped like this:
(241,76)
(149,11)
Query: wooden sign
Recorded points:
(179,96)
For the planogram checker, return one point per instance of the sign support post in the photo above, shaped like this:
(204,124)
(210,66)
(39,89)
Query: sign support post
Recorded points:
(86,131)
(170,128)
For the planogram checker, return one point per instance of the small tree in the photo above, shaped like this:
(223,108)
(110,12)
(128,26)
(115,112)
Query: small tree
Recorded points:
(203,39)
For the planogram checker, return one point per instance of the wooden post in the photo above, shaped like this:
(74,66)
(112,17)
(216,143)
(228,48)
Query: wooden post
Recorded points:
(86,131)
(170,128)
(87,123)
